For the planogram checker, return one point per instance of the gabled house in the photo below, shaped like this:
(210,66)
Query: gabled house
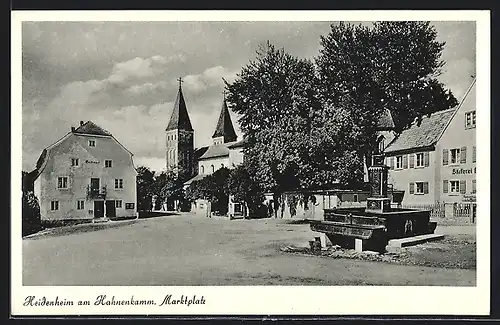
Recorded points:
(85,175)
(435,159)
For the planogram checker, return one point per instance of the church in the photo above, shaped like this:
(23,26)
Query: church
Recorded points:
(226,150)
(191,163)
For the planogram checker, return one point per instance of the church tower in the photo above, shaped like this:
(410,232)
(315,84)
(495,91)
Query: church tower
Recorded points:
(224,132)
(180,139)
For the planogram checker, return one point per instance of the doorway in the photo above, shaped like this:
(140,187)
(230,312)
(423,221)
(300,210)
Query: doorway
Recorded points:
(110,209)
(98,209)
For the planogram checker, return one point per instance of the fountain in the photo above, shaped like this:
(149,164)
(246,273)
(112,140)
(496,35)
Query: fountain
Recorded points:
(372,227)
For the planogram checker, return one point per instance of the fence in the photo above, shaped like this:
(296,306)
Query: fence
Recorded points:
(447,210)
(437,209)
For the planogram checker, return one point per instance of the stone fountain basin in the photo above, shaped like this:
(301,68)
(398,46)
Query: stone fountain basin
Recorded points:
(395,223)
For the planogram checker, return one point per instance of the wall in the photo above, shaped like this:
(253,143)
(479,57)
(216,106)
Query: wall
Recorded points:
(458,136)
(235,156)
(217,162)
(91,164)
(401,178)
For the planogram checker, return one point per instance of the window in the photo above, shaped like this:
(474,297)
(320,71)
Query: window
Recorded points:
(119,183)
(213,168)
(419,188)
(118,203)
(54,205)
(62,182)
(454,187)
(454,156)
(80,205)
(129,206)
(202,170)
(470,120)
(222,165)
(381,144)
(355,198)
(91,143)
(108,163)
(420,160)
(473,186)
(74,162)
(399,162)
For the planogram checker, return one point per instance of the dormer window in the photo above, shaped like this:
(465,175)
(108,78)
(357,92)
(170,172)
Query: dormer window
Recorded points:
(108,163)
(91,143)
(470,120)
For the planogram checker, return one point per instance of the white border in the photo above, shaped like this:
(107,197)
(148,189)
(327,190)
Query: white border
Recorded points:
(265,300)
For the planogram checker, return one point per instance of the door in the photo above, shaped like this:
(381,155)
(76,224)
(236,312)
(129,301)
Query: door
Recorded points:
(110,209)
(98,209)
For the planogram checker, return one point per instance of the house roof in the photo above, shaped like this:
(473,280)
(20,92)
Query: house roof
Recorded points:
(423,134)
(224,126)
(90,127)
(180,117)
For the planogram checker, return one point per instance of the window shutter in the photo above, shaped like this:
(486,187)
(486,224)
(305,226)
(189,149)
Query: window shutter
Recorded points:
(391,162)
(463,155)
(463,188)
(445,157)
(412,160)
(426,159)
(405,161)
(426,187)
(412,188)
(474,154)
(445,186)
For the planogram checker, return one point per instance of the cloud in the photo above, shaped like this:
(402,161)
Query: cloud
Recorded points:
(141,67)
(211,77)
(146,88)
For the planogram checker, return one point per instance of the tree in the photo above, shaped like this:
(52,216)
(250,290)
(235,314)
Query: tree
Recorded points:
(211,188)
(145,188)
(245,188)
(391,65)
(31,213)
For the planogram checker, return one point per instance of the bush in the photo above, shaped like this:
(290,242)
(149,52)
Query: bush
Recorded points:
(31,213)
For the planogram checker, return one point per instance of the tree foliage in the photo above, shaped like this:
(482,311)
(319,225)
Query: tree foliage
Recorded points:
(244,187)
(212,188)
(391,65)
(291,142)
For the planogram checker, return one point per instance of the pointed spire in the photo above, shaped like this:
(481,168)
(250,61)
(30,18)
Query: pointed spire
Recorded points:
(225,125)
(180,117)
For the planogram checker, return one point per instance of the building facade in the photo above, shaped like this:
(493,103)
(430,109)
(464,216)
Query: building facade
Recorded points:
(434,161)
(86,175)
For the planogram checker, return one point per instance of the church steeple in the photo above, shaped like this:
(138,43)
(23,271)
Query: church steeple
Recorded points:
(180,139)
(224,131)
(180,117)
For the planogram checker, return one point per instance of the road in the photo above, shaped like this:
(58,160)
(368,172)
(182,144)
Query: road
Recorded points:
(190,250)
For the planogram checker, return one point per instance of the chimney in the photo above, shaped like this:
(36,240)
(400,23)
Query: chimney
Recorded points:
(72,129)
(81,123)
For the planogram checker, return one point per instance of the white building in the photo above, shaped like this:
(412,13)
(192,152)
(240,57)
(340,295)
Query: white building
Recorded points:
(86,175)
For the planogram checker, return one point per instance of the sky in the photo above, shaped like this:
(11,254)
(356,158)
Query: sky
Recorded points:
(123,75)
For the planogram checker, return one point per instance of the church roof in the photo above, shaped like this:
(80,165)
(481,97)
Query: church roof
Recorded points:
(90,128)
(216,150)
(219,150)
(180,117)
(224,125)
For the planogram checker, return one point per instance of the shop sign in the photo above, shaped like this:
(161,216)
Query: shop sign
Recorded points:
(463,171)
